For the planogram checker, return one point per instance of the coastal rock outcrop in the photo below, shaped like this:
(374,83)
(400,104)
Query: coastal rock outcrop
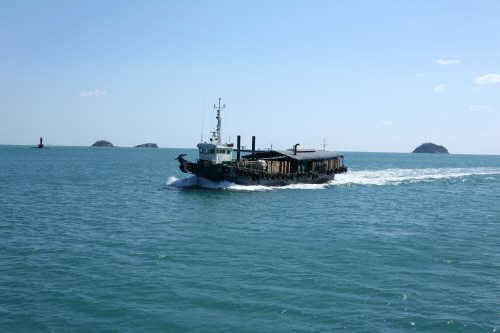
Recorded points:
(430,148)
(102,143)
(147,145)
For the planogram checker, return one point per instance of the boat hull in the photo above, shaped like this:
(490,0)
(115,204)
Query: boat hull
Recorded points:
(247,176)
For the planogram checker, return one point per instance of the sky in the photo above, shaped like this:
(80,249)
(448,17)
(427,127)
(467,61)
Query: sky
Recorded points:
(368,76)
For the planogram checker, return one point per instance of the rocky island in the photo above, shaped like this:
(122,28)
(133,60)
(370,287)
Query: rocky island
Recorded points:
(430,148)
(102,143)
(147,145)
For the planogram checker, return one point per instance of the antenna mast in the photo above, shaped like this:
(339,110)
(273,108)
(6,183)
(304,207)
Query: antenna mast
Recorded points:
(216,134)
(324,144)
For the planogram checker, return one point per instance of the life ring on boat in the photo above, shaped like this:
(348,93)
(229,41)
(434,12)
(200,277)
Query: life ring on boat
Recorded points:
(226,169)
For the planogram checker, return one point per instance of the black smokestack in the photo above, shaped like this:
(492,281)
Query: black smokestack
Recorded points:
(238,144)
(253,148)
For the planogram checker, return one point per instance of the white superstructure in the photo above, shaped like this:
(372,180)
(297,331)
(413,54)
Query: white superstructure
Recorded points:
(215,151)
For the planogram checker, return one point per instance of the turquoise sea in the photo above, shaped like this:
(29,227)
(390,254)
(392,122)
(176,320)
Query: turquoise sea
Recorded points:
(119,240)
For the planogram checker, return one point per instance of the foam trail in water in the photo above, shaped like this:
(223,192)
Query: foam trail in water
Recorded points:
(397,176)
(205,183)
(197,181)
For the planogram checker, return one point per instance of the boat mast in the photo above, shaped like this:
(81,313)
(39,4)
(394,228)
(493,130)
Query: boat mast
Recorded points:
(216,134)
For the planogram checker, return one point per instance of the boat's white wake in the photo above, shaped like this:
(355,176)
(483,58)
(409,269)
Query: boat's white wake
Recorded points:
(198,181)
(205,183)
(364,177)
(398,176)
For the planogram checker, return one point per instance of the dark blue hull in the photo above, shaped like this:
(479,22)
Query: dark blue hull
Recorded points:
(247,176)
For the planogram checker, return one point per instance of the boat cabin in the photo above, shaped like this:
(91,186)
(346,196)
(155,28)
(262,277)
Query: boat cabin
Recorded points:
(299,160)
(215,153)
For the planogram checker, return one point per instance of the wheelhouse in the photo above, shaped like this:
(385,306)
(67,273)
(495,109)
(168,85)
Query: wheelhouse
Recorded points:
(215,154)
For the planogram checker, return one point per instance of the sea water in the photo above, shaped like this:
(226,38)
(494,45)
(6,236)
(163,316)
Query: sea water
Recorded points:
(120,240)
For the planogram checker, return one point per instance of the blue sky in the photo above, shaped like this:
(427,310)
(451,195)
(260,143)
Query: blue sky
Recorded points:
(375,76)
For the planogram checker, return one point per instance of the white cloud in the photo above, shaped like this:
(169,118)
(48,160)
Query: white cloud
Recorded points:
(488,78)
(480,107)
(446,62)
(96,92)
(386,122)
(440,88)
(421,75)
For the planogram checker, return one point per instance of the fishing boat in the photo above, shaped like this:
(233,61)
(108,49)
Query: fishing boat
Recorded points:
(261,167)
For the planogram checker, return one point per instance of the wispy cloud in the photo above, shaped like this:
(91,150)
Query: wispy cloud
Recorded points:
(386,122)
(421,75)
(440,88)
(96,92)
(488,78)
(446,62)
(480,107)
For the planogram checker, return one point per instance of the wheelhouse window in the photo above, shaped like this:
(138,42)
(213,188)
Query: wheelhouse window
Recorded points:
(212,151)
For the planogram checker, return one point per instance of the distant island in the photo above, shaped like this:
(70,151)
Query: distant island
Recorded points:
(102,143)
(430,148)
(147,145)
